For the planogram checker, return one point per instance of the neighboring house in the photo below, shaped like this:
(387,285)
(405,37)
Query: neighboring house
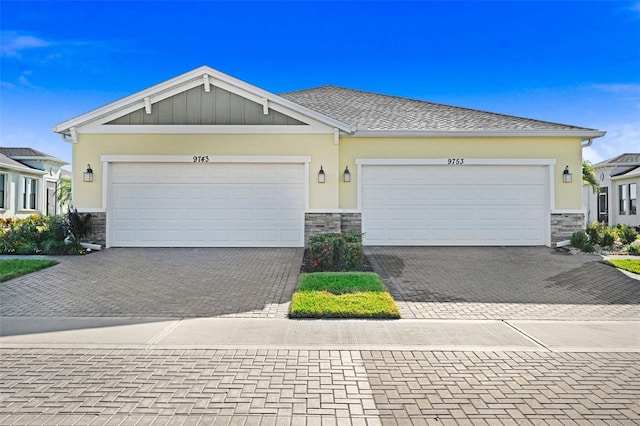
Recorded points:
(205,159)
(28,182)
(617,201)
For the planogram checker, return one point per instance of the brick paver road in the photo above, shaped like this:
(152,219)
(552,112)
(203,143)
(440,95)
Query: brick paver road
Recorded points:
(159,282)
(312,387)
(504,283)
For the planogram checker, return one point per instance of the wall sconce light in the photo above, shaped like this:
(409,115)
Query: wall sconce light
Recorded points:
(88,175)
(321,175)
(347,174)
(566,175)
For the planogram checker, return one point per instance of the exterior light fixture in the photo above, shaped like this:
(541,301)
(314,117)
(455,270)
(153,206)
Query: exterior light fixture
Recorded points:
(347,174)
(566,175)
(321,176)
(88,175)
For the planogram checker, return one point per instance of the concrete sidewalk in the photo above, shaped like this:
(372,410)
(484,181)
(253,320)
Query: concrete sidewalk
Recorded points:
(429,335)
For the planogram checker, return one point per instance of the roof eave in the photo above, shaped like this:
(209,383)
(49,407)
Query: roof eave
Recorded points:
(38,158)
(65,127)
(573,133)
(23,169)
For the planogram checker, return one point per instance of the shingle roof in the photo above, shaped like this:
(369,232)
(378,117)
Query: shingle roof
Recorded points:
(629,159)
(383,112)
(21,153)
(16,165)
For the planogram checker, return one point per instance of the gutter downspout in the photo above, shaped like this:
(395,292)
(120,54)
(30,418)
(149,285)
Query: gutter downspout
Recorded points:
(71,137)
(589,142)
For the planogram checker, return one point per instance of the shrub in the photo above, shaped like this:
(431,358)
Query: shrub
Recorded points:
(627,234)
(634,248)
(37,235)
(335,252)
(579,239)
(602,235)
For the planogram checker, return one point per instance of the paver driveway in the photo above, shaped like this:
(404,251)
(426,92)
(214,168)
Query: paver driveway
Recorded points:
(159,282)
(504,283)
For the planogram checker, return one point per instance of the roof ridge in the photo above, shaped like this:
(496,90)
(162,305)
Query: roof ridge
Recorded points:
(437,104)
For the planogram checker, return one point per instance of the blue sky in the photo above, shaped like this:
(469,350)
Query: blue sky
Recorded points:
(575,62)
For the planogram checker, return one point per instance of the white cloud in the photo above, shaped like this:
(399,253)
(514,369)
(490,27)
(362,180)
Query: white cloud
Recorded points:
(620,138)
(622,88)
(14,43)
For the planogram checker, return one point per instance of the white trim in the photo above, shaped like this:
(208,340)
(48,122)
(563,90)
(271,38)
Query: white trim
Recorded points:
(192,79)
(205,129)
(444,162)
(634,174)
(307,195)
(207,83)
(91,210)
(332,211)
(147,105)
(549,163)
(108,159)
(212,158)
(105,183)
(586,134)
(568,211)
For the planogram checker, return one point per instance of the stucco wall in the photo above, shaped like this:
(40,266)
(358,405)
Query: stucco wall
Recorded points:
(566,151)
(320,147)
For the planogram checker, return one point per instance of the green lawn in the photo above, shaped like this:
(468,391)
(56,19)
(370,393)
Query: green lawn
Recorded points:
(342,295)
(631,265)
(11,268)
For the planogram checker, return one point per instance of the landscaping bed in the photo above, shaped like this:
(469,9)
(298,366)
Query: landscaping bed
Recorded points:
(307,263)
(338,282)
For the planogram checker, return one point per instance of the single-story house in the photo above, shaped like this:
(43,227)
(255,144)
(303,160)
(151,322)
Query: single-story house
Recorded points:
(205,159)
(28,182)
(617,201)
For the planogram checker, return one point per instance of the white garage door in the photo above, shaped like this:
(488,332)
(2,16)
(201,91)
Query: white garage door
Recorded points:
(206,205)
(455,205)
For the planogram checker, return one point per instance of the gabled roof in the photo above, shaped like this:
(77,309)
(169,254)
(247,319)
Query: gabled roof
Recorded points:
(353,112)
(11,164)
(624,160)
(375,111)
(200,76)
(29,154)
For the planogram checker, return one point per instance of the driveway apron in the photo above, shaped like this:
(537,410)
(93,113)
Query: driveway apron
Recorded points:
(159,282)
(504,283)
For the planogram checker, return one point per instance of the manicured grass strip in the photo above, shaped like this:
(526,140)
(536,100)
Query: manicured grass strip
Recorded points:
(11,268)
(341,282)
(322,304)
(631,265)
(342,295)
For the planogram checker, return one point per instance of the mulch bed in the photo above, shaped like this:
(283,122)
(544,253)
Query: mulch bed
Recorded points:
(365,267)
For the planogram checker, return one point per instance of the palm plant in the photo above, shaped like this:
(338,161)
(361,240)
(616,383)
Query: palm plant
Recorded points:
(589,176)
(64,192)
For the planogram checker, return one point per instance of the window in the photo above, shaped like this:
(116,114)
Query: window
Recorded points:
(633,198)
(29,193)
(622,198)
(3,191)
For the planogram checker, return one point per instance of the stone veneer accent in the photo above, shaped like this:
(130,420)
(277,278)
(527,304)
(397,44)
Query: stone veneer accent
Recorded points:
(563,225)
(350,222)
(98,233)
(324,223)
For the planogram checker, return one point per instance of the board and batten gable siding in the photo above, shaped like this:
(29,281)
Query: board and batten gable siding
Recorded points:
(198,107)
